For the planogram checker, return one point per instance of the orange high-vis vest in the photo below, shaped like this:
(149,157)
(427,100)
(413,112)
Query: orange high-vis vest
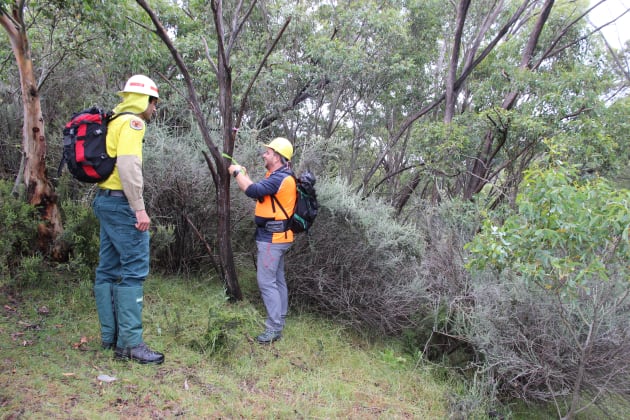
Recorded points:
(269,209)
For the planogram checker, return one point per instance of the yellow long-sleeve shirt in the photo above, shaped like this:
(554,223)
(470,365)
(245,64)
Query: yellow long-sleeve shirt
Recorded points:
(124,140)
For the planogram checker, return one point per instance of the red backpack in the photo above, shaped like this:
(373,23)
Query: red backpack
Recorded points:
(84,147)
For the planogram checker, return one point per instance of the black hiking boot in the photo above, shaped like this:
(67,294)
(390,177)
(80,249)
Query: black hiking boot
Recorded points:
(140,353)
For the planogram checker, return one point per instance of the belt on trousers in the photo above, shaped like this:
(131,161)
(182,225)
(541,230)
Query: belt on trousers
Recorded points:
(112,193)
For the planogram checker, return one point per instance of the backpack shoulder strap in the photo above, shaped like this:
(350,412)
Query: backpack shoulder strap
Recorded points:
(274,198)
(111,116)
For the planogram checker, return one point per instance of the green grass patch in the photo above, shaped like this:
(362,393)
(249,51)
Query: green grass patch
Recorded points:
(51,360)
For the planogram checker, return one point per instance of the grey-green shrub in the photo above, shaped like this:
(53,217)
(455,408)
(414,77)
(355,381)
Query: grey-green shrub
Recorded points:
(533,346)
(18,231)
(179,194)
(81,236)
(357,264)
(551,292)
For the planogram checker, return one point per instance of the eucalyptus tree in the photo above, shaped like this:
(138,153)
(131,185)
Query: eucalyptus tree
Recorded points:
(355,68)
(63,51)
(470,107)
(229,23)
(542,79)
(32,174)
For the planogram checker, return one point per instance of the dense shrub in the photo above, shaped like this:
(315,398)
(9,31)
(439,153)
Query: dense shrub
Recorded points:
(81,236)
(552,299)
(445,281)
(180,198)
(538,348)
(18,231)
(357,264)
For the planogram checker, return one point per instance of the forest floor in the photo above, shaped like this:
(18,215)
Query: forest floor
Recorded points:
(52,366)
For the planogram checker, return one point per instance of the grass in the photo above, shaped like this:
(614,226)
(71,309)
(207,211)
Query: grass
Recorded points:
(50,361)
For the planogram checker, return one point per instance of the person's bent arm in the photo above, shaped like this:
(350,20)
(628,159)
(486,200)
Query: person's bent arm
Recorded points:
(240,174)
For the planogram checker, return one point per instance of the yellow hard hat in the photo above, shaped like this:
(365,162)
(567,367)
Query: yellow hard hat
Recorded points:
(281,146)
(140,83)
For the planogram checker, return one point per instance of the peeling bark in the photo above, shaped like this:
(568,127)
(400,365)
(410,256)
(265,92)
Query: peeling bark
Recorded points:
(39,191)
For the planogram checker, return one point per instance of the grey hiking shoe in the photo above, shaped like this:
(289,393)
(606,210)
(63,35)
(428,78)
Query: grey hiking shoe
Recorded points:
(269,336)
(140,353)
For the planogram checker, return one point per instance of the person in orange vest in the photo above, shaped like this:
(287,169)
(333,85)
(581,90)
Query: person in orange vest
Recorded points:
(273,236)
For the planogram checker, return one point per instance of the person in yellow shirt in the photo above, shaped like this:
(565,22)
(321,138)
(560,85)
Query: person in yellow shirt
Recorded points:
(273,235)
(124,227)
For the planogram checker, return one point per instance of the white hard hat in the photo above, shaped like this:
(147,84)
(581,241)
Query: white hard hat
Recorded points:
(141,84)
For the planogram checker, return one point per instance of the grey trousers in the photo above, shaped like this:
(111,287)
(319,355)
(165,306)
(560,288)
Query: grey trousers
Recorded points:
(272,283)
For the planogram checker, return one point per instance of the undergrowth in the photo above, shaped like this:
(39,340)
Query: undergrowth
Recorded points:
(52,364)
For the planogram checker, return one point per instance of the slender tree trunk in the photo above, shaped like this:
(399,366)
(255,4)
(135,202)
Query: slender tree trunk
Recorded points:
(216,165)
(478,176)
(470,64)
(451,92)
(405,194)
(224,76)
(39,192)
(226,39)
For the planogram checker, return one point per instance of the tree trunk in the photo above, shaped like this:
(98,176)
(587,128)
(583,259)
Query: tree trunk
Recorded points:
(224,76)
(451,93)
(217,166)
(478,176)
(39,192)
(470,64)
